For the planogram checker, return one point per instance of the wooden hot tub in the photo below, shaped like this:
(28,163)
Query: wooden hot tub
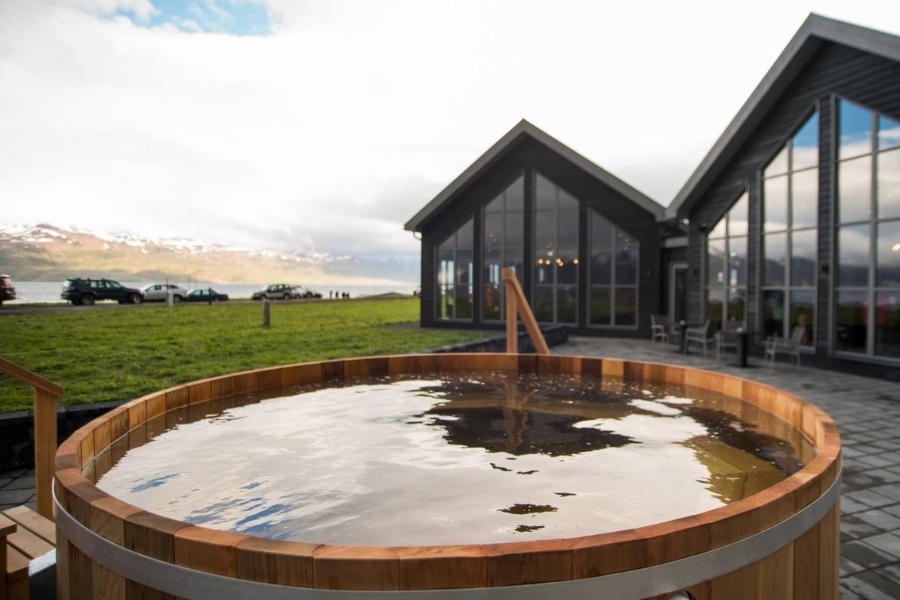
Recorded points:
(779,543)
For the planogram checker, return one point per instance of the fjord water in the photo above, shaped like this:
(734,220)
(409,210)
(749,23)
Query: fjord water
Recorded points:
(457,460)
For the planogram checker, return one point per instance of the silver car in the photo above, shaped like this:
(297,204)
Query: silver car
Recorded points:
(157,292)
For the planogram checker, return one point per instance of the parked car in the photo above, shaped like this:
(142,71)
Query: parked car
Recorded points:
(304,292)
(88,291)
(276,291)
(7,291)
(157,292)
(205,295)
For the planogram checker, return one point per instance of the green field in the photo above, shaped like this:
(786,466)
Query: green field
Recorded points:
(120,353)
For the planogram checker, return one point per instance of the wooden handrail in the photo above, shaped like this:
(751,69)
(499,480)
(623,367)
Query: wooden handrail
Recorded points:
(517,306)
(46,394)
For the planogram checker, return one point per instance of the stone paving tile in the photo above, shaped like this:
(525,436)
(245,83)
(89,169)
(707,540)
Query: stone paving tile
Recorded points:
(848,567)
(872,586)
(869,498)
(21,483)
(886,542)
(876,460)
(11,498)
(859,480)
(853,528)
(848,594)
(877,519)
(890,491)
(885,475)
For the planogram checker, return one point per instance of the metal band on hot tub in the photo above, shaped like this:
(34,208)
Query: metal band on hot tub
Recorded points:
(639,583)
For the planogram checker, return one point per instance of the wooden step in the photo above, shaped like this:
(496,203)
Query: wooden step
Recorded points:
(25,535)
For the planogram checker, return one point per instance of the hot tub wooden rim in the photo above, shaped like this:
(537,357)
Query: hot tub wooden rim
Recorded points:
(653,544)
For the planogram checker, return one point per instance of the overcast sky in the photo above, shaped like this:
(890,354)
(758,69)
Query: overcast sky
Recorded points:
(323,126)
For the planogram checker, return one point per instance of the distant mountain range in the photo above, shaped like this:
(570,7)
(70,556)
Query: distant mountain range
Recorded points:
(52,253)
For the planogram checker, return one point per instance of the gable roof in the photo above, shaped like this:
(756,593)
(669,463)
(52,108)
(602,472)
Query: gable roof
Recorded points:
(501,148)
(814,32)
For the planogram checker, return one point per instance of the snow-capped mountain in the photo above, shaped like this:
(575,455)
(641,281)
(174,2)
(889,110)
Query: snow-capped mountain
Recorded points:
(48,253)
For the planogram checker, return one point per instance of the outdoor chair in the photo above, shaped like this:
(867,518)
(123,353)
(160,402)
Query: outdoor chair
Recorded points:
(727,338)
(698,335)
(659,329)
(790,346)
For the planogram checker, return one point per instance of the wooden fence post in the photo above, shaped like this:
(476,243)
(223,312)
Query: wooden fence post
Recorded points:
(517,306)
(44,450)
(46,394)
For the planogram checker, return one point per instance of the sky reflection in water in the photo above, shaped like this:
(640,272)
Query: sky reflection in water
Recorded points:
(454,461)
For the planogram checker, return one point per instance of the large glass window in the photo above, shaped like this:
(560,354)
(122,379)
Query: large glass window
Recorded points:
(455,273)
(726,265)
(789,241)
(868,233)
(555,286)
(504,246)
(613,274)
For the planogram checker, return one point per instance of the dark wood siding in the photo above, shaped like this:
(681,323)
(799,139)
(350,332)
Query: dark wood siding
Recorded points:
(529,156)
(833,71)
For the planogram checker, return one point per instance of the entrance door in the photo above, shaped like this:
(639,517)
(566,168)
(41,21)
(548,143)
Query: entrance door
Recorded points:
(678,292)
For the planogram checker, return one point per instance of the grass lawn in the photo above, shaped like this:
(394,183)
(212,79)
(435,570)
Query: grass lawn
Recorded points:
(125,352)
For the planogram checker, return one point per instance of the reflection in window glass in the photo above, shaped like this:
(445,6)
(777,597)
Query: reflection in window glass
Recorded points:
(601,265)
(853,256)
(855,130)
(555,253)
(803,305)
(776,194)
(888,133)
(542,305)
(601,305)
(887,324)
(790,206)
(773,313)
(515,196)
(567,236)
(726,264)
(851,322)
(614,274)
(889,185)
(626,259)
(803,258)
(805,145)
(626,305)
(739,216)
(866,317)
(737,261)
(715,304)
(888,254)
(567,304)
(776,259)
(779,164)
(454,274)
(545,194)
(855,190)
(737,304)
(503,241)
(805,199)
(715,261)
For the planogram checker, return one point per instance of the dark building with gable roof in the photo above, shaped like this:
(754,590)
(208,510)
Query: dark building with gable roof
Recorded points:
(584,245)
(795,212)
(789,226)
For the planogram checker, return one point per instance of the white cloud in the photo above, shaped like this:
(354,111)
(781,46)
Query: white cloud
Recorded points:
(339,125)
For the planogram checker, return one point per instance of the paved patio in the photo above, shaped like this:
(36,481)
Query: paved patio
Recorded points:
(866,410)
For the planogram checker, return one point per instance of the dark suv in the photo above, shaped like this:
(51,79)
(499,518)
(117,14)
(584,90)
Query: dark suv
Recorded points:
(88,291)
(276,291)
(7,291)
